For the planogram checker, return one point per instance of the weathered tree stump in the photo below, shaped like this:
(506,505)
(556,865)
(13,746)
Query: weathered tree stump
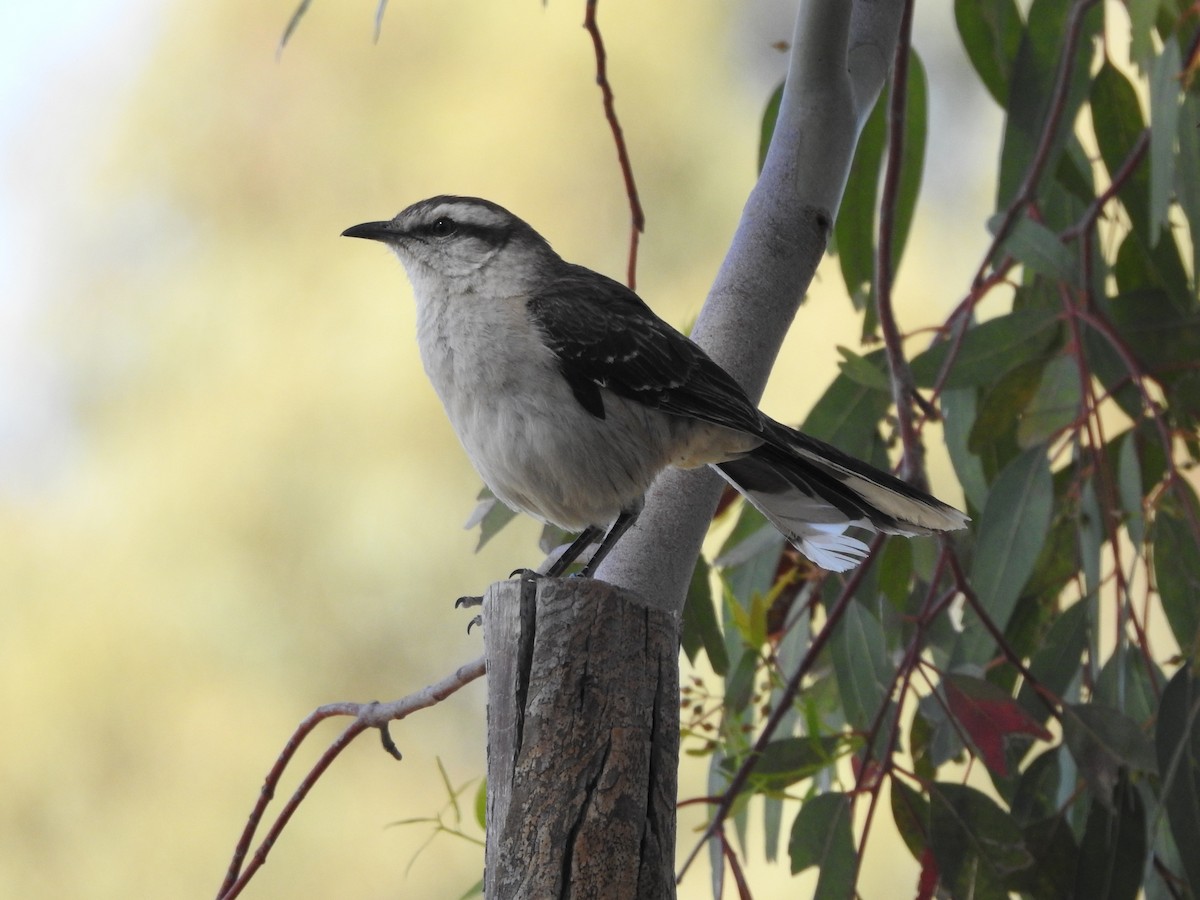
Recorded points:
(583,742)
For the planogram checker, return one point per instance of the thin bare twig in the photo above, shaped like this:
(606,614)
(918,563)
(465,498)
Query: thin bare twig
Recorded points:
(904,386)
(637,216)
(1041,156)
(367,716)
(1048,699)
(992,271)
(1088,220)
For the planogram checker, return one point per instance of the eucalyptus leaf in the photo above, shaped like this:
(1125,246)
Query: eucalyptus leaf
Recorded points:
(854,230)
(1164,121)
(1112,854)
(978,846)
(1054,406)
(1037,247)
(990,349)
(1177,744)
(859,652)
(991,34)
(1010,535)
(822,836)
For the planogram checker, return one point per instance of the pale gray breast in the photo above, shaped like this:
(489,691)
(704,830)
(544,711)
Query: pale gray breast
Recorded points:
(536,447)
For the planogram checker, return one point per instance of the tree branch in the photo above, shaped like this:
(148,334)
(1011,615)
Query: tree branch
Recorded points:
(367,715)
(637,216)
(904,386)
(839,57)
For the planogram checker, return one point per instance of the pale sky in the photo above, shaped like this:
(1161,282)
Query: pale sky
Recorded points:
(45,49)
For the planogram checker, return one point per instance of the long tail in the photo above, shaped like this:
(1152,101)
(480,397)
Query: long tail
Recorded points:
(812,492)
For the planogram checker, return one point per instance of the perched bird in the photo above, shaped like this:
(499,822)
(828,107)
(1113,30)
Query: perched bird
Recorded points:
(570,395)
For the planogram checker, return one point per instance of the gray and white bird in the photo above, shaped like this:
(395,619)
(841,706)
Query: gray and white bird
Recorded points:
(570,395)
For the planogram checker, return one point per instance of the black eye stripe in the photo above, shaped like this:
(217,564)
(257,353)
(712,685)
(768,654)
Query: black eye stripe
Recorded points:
(445,226)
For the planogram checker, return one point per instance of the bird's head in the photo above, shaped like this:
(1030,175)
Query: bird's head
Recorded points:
(444,240)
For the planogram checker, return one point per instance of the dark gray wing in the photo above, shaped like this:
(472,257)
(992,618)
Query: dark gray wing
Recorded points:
(605,336)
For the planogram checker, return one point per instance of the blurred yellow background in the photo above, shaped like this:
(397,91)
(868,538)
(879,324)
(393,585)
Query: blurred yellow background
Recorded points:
(227,494)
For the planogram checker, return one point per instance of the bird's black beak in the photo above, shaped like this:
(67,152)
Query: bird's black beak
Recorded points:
(372,231)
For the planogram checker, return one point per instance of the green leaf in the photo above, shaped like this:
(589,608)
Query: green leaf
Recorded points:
(1059,559)
(895,572)
(854,230)
(1164,121)
(848,414)
(958,415)
(1187,185)
(910,810)
(1002,405)
(490,515)
(481,804)
(1110,369)
(700,628)
(1139,269)
(978,846)
(1011,531)
(290,28)
(1074,173)
(859,653)
(785,761)
(822,836)
(861,371)
(1103,741)
(1031,88)
(1112,854)
(912,164)
(739,684)
(1056,663)
(1089,526)
(1038,248)
(1129,683)
(1129,487)
(1055,404)
(991,33)
(1117,123)
(989,350)
(1036,794)
(1177,744)
(1056,858)
(1177,566)
(1141,32)
(767,129)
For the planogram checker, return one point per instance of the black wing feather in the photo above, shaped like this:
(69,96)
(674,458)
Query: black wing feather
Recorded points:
(605,336)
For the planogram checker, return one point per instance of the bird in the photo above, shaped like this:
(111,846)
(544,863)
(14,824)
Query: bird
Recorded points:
(570,395)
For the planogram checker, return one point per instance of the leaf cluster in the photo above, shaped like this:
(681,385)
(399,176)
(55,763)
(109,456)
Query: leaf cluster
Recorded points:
(1003,685)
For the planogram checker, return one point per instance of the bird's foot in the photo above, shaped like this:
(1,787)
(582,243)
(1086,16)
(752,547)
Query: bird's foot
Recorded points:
(526,574)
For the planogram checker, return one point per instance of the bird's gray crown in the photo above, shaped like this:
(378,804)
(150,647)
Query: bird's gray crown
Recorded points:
(450,226)
(446,217)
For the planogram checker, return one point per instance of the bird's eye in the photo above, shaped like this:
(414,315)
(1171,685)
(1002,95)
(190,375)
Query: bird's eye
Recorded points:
(443,227)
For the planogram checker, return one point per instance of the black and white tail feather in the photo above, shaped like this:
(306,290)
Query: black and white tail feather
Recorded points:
(812,492)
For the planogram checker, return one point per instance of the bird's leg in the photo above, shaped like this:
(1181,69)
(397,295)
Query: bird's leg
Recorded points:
(626,518)
(586,537)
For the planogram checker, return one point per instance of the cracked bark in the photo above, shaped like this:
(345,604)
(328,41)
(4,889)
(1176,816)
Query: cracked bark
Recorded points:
(583,739)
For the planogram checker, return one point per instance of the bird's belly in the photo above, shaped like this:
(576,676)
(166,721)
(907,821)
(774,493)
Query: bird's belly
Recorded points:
(554,460)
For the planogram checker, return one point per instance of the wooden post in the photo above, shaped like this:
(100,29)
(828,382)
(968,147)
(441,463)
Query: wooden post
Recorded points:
(583,742)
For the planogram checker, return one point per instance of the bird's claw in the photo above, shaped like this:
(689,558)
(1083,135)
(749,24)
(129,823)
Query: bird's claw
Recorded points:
(526,574)
(467,601)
